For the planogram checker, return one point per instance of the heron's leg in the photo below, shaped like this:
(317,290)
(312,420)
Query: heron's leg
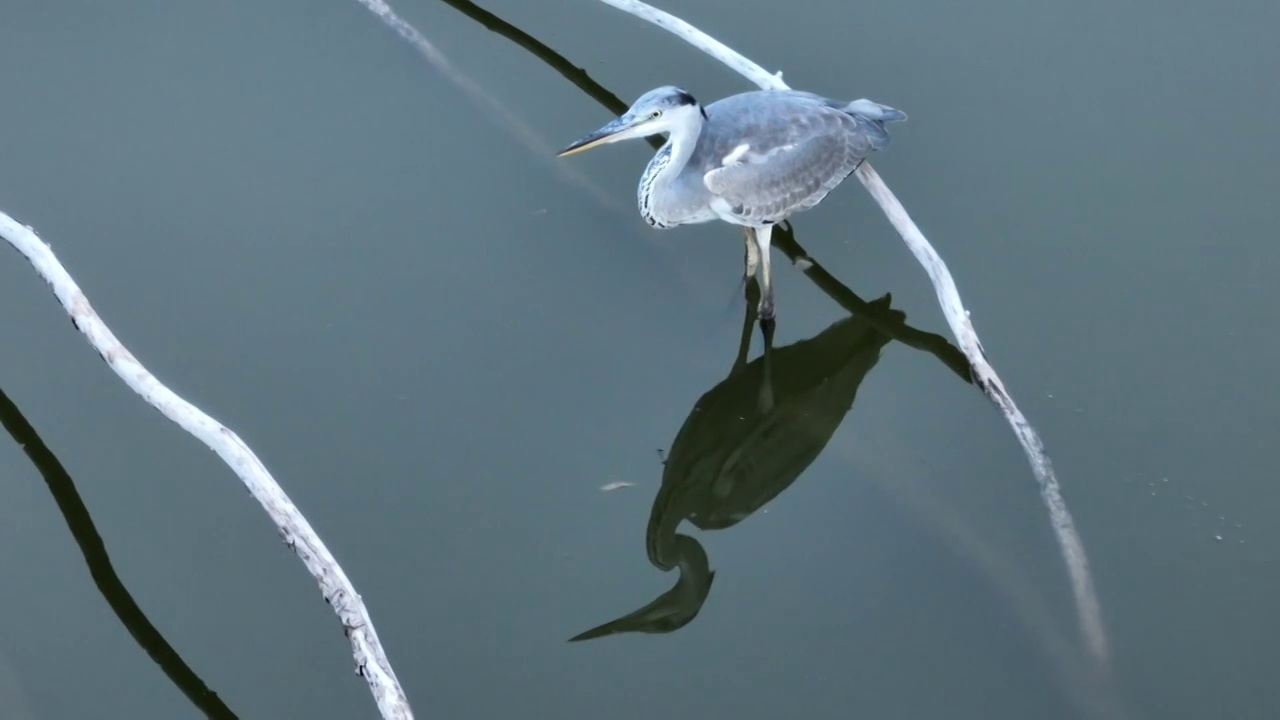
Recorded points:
(753,253)
(763,235)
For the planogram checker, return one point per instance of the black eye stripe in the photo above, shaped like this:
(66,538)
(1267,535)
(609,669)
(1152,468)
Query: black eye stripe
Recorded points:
(684,98)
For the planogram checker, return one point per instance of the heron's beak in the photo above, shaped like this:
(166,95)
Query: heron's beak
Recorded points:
(671,611)
(607,134)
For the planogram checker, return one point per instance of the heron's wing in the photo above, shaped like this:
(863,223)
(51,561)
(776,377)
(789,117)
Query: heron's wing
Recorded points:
(788,171)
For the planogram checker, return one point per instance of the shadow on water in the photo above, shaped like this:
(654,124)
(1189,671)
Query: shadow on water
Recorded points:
(104,575)
(754,434)
(745,441)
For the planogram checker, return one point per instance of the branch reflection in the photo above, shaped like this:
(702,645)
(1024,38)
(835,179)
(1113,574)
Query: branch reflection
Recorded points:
(104,575)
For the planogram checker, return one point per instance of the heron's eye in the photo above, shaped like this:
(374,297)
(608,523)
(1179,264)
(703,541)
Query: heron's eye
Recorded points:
(655,114)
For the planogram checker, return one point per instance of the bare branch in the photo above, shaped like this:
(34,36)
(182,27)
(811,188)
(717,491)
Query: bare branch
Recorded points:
(371,660)
(1087,606)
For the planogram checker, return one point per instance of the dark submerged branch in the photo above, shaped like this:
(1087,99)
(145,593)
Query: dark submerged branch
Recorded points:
(80,523)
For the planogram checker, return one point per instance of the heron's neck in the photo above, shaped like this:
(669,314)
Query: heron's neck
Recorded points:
(681,142)
(670,160)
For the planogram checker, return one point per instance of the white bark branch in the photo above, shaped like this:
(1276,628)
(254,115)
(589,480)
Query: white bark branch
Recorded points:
(371,660)
(1087,606)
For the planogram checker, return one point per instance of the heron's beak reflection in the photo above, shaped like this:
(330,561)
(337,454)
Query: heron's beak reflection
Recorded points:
(620,129)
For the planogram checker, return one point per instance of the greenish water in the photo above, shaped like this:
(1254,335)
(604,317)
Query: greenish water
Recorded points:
(443,342)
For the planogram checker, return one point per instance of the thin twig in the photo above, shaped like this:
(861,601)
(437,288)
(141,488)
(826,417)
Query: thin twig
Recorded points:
(553,59)
(1087,606)
(371,660)
(513,122)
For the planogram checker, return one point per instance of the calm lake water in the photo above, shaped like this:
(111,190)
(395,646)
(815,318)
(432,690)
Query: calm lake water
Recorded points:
(443,342)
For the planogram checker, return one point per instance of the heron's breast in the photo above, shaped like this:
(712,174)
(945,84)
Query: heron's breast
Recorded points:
(668,203)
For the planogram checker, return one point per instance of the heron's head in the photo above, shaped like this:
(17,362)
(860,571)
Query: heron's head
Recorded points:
(656,112)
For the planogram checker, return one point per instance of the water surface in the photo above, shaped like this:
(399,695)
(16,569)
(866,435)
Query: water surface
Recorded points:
(443,342)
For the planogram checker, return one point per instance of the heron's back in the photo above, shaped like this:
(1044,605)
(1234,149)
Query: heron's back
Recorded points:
(774,152)
(771,118)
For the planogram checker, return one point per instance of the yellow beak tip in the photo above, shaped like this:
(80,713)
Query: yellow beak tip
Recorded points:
(574,150)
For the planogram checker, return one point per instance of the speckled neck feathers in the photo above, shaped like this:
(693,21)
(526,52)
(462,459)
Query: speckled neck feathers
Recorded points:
(664,169)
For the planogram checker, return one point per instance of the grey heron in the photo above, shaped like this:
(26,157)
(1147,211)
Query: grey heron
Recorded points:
(751,159)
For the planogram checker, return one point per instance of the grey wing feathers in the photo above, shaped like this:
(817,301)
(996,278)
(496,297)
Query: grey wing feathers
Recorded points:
(788,178)
(767,184)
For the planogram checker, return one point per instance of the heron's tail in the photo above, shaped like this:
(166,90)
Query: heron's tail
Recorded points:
(874,111)
(871,117)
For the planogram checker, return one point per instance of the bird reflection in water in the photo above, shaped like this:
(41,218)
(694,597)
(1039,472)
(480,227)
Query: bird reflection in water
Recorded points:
(745,441)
